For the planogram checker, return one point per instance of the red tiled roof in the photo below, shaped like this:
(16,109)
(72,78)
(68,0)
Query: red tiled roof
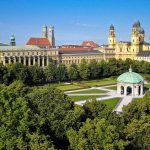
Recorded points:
(90,44)
(41,42)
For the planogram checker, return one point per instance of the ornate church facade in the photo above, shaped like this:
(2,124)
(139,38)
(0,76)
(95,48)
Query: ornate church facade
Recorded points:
(129,49)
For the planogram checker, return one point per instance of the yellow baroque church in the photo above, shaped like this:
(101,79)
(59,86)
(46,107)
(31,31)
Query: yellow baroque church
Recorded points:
(125,49)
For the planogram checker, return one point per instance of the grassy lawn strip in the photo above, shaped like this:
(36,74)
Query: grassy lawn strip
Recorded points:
(81,98)
(147,86)
(69,87)
(112,88)
(111,103)
(92,91)
(85,84)
(102,82)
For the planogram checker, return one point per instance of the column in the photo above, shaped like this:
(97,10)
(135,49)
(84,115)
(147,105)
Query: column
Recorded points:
(133,91)
(9,60)
(141,90)
(125,90)
(38,60)
(19,59)
(24,61)
(14,59)
(4,61)
(47,61)
(43,61)
(29,61)
(34,60)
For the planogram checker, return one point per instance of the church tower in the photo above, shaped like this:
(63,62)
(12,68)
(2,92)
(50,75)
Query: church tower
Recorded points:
(112,37)
(44,32)
(51,36)
(137,38)
(12,40)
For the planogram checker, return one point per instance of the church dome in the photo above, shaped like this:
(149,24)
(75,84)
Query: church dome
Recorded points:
(130,77)
(111,27)
(137,24)
(141,30)
(12,37)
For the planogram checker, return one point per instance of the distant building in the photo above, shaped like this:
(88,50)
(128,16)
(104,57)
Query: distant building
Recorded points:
(129,49)
(2,44)
(40,42)
(145,56)
(12,41)
(46,41)
(41,50)
(90,44)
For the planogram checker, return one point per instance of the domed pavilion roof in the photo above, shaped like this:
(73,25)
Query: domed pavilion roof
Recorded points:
(130,77)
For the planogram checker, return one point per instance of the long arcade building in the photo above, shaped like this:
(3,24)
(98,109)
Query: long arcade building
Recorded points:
(31,55)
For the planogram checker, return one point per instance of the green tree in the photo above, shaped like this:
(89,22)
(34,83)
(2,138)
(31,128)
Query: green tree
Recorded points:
(73,72)
(138,132)
(53,107)
(93,69)
(50,72)
(3,72)
(83,70)
(37,75)
(20,126)
(94,109)
(95,134)
(61,72)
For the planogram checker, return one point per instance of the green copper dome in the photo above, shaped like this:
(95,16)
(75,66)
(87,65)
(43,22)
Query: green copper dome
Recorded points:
(130,77)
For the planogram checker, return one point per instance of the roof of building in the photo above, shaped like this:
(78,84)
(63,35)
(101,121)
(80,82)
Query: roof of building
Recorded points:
(39,42)
(81,52)
(130,77)
(2,44)
(90,44)
(111,27)
(144,53)
(146,43)
(24,47)
(74,48)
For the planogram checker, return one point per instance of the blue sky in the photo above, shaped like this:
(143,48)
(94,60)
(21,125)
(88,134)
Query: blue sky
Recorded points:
(74,20)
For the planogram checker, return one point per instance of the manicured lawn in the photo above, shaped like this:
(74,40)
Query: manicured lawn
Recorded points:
(84,84)
(102,82)
(68,87)
(111,103)
(80,98)
(112,88)
(147,86)
(92,91)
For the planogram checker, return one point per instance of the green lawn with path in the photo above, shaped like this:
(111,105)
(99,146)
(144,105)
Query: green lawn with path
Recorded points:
(68,87)
(111,103)
(81,98)
(85,84)
(112,87)
(90,91)
(147,86)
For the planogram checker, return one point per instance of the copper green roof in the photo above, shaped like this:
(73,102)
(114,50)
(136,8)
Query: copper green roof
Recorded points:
(130,77)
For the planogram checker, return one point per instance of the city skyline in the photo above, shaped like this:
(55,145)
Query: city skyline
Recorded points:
(74,21)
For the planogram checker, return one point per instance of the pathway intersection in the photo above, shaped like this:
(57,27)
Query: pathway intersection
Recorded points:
(109,94)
